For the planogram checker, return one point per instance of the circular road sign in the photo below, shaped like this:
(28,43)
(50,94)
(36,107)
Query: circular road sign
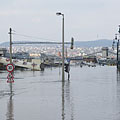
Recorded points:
(10,67)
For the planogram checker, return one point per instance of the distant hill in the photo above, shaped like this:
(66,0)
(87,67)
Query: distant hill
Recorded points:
(95,43)
(4,44)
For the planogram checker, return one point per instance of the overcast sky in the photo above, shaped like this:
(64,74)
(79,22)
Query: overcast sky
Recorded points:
(84,19)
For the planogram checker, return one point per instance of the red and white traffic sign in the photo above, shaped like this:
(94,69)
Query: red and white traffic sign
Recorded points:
(10,78)
(10,81)
(10,67)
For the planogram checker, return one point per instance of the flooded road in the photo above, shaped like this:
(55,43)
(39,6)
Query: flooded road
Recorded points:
(91,94)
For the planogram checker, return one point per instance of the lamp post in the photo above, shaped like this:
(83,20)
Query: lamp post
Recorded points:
(117,48)
(118,58)
(10,57)
(62,44)
(117,39)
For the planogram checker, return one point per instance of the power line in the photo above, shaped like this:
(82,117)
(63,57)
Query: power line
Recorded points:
(35,42)
(33,37)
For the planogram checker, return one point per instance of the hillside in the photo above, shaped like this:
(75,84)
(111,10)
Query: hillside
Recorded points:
(95,43)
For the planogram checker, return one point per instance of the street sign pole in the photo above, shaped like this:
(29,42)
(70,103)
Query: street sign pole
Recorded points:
(10,32)
(10,68)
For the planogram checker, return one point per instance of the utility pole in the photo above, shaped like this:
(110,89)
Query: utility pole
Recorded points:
(10,58)
(10,45)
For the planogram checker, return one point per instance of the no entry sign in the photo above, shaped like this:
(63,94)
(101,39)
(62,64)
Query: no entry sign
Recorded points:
(10,67)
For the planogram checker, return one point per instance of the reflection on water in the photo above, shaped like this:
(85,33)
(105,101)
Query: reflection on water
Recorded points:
(10,109)
(63,101)
(118,75)
(67,102)
(118,96)
(91,94)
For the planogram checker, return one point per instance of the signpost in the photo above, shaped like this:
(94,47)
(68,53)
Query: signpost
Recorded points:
(10,67)
(10,77)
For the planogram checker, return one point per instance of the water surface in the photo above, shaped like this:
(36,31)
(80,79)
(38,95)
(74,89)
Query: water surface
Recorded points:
(93,93)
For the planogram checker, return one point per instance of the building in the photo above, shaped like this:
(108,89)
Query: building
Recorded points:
(105,52)
(3,51)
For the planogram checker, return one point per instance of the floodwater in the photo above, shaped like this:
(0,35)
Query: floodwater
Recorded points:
(93,93)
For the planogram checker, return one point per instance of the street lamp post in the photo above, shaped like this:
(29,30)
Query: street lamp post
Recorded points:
(62,44)
(117,48)
(117,39)
(118,61)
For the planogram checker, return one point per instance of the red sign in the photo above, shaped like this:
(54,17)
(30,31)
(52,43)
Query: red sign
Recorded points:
(10,78)
(10,81)
(10,67)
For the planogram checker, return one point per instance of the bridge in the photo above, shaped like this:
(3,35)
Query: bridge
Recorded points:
(40,42)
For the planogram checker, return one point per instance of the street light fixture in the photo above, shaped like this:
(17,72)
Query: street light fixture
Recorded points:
(59,13)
